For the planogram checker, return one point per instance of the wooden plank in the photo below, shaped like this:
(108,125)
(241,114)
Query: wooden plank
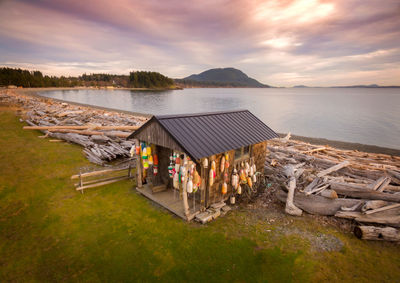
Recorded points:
(103,183)
(95,173)
(81,184)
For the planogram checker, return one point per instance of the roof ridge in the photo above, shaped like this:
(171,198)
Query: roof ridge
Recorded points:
(174,116)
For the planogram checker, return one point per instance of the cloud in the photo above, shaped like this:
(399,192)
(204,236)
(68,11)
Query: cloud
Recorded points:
(278,42)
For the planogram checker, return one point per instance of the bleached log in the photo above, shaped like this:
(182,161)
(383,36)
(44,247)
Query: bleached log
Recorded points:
(290,208)
(318,205)
(383,208)
(390,220)
(312,185)
(333,168)
(90,133)
(85,127)
(374,186)
(314,150)
(377,233)
(384,184)
(346,190)
(374,204)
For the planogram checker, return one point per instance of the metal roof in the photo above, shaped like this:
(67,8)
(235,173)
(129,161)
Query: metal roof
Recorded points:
(206,134)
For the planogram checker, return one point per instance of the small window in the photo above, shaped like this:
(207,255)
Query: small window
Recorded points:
(242,153)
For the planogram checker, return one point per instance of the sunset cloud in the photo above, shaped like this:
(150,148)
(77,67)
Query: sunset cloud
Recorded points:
(281,43)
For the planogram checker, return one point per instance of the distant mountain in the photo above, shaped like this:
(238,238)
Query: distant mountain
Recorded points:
(220,77)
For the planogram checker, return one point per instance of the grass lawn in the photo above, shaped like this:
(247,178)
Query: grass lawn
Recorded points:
(50,232)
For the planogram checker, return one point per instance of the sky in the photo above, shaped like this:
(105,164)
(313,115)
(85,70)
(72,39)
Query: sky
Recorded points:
(280,43)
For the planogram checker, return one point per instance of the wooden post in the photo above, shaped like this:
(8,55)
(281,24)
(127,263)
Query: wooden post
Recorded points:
(185,198)
(203,187)
(138,169)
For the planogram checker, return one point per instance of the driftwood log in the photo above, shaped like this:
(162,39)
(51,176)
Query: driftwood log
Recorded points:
(379,218)
(351,191)
(377,233)
(317,204)
(290,208)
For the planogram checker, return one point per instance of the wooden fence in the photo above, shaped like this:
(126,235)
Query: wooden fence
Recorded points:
(102,177)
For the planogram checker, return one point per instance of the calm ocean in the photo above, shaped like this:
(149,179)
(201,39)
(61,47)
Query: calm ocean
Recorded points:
(363,115)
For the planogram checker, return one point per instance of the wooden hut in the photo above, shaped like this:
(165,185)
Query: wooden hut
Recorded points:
(177,152)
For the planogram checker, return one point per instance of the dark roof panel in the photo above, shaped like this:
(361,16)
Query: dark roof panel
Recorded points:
(205,134)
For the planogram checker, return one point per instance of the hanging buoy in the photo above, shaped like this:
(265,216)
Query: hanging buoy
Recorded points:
(155,170)
(148,149)
(247,168)
(196,179)
(170,170)
(137,150)
(254,168)
(177,166)
(211,177)
(251,172)
(150,158)
(176,180)
(145,164)
(213,165)
(205,163)
(132,151)
(232,199)
(249,182)
(224,188)
(239,190)
(254,178)
(242,175)
(189,186)
(222,164)
(235,179)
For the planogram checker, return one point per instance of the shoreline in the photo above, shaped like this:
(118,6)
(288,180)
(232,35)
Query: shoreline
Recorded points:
(33,92)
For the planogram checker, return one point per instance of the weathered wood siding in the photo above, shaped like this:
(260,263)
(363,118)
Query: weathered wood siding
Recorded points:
(154,133)
(258,152)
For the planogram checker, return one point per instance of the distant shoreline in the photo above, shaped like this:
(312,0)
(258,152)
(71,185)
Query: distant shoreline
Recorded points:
(313,140)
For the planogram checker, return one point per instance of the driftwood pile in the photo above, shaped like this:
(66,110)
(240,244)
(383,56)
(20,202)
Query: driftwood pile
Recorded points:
(102,133)
(322,180)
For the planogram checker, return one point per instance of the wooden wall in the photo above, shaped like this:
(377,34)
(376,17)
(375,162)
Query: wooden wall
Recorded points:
(154,133)
(258,152)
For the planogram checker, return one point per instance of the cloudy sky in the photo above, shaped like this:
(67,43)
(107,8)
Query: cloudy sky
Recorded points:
(278,42)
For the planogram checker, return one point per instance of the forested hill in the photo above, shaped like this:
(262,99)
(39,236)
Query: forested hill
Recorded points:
(137,79)
(220,77)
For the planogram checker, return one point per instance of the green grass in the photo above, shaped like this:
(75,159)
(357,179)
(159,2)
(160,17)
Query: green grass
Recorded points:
(50,232)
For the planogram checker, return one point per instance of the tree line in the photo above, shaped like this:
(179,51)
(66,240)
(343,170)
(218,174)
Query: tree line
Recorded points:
(137,79)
